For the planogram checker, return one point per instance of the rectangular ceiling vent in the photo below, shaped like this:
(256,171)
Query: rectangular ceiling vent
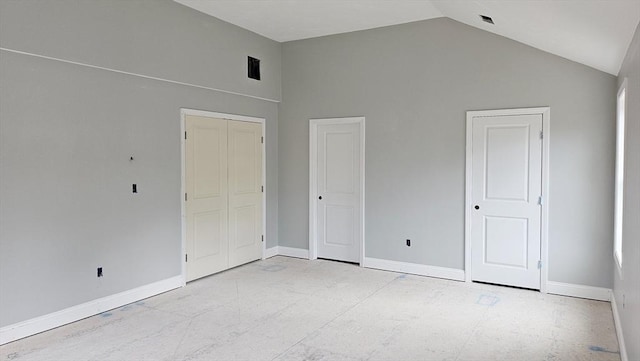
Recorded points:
(254,68)
(486,19)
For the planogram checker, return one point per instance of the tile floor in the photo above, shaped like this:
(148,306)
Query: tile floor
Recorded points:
(293,309)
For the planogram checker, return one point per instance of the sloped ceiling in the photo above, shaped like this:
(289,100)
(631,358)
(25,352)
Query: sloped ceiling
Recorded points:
(596,33)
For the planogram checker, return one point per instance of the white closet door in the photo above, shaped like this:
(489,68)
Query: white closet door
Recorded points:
(207,196)
(506,186)
(339,222)
(245,192)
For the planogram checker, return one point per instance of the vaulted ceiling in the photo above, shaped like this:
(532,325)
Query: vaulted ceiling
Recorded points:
(596,33)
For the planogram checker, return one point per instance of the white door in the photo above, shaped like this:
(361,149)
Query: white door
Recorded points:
(338,189)
(207,199)
(505,211)
(223,194)
(245,192)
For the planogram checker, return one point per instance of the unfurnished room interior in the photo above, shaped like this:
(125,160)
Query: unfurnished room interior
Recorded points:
(320,180)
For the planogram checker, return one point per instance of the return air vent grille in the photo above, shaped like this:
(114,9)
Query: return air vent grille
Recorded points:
(254,68)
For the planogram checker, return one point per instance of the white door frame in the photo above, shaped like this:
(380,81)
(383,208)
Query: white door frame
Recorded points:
(544,231)
(313,186)
(183,186)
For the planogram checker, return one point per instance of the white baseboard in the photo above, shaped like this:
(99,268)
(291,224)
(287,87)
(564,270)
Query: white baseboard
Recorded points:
(56,319)
(618,324)
(293,252)
(580,291)
(414,268)
(270,252)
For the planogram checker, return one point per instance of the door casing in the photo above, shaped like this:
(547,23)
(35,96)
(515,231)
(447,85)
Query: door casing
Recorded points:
(545,112)
(313,186)
(183,213)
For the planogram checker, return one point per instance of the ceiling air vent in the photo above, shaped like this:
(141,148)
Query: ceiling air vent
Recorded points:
(254,68)
(486,19)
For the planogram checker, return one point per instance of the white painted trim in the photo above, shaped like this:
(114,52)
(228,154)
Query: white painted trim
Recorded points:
(293,252)
(227,116)
(264,185)
(270,252)
(183,191)
(580,291)
(618,323)
(313,187)
(414,268)
(313,165)
(618,217)
(467,198)
(137,74)
(362,188)
(544,231)
(546,191)
(56,319)
(183,210)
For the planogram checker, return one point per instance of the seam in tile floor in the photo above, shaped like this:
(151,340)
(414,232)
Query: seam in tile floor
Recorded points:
(285,308)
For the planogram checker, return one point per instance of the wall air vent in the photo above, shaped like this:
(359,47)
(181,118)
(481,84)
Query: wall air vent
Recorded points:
(254,68)
(486,19)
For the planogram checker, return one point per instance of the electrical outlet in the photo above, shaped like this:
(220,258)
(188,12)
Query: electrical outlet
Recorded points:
(99,271)
(408,243)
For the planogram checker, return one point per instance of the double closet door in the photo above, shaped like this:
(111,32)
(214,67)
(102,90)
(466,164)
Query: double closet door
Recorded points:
(223,178)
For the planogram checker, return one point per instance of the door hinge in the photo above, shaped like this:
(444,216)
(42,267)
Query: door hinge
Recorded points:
(539,264)
(185,197)
(185,135)
(262,140)
(186,257)
(540,200)
(262,189)
(541,134)
(263,238)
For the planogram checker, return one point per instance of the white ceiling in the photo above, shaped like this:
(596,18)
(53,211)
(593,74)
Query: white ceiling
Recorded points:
(596,33)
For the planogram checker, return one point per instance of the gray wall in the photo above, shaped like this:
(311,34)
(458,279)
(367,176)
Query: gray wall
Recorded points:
(67,131)
(627,288)
(157,38)
(414,83)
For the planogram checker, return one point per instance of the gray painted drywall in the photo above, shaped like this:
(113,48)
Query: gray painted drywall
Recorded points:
(414,83)
(157,38)
(66,135)
(627,288)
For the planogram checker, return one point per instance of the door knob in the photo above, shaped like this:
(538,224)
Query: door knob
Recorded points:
(320,197)
(477,207)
